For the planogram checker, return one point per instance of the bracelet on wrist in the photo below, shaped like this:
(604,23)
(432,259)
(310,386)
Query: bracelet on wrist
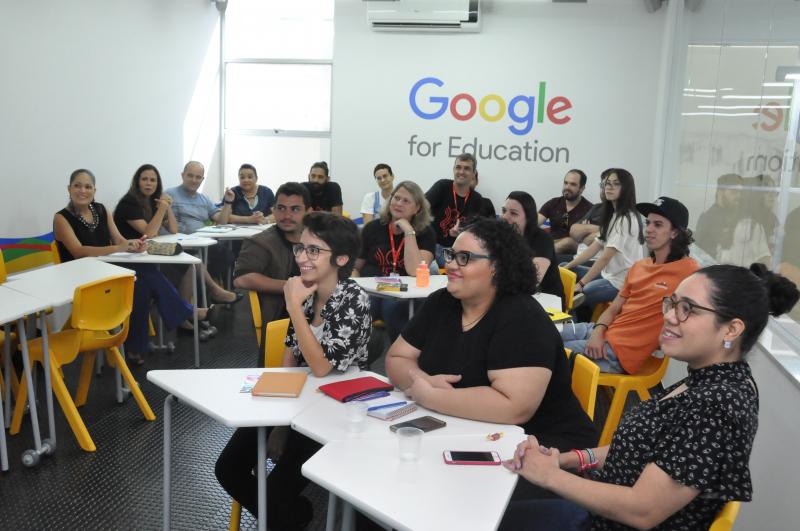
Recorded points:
(581,284)
(601,324)
(228,202)
(411,233)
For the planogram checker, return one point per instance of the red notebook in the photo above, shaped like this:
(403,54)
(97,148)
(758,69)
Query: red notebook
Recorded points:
(350,389)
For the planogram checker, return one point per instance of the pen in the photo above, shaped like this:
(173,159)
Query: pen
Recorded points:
(384,406)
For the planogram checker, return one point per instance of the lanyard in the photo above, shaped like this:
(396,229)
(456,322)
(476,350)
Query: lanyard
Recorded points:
(455,203)
(395,253)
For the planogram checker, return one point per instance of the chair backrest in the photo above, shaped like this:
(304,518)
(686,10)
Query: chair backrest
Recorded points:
(2,268)
(726,517)
(54,255)
(585,377)
(273,342)
(18,260)
(104,304)
(568,280)
(255,310)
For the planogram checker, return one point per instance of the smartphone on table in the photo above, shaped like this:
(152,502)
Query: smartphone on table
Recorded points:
(426,424)
(453,457)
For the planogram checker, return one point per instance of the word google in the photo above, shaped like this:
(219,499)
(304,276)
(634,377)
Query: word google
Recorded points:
(522,110)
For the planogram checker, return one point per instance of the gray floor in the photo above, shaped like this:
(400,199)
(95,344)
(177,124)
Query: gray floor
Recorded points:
(119,486)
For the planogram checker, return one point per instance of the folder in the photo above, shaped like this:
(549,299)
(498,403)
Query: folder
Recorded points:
(285,384)
(351,389)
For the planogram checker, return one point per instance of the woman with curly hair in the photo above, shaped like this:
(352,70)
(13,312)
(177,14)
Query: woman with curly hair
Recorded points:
(484,349)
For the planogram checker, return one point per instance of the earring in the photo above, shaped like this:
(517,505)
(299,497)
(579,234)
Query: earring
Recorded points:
(726,344)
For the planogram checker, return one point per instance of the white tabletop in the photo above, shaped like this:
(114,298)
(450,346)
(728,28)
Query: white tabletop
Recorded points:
(216,392)
(370,286)
(188,241)
(15,305)
(146,258)
(55,285)
(419,495)
(324,421)
(236,232)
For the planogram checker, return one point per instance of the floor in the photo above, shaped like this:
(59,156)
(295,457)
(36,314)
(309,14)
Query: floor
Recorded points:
(120,485)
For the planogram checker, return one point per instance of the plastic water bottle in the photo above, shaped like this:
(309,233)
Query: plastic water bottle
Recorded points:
(423,275)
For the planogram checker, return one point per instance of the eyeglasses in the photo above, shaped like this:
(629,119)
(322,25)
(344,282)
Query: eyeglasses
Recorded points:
(609,184)
(462,258)
(683,308)
(312,251)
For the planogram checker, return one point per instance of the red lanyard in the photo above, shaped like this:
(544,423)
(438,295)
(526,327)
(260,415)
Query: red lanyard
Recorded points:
(395,253)
(455,203)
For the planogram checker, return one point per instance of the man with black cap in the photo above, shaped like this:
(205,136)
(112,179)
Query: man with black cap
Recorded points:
(627,333)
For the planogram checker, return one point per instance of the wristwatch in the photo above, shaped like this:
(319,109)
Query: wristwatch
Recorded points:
(411,233)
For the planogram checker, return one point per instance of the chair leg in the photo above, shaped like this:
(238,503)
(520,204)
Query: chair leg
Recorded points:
(132,385)
(236,516)
(614,415)
(87,367)
(70,411)
(19,408)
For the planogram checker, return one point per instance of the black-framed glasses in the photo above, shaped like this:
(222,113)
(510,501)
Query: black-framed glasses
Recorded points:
(683,308)
(312,251)
(462,258)
(612,184)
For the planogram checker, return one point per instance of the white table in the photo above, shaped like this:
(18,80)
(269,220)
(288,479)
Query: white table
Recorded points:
(55,286)
(370,285)
(215,392)
(420,495)
(236,232)
(192,242)
(178,259)
(15,306)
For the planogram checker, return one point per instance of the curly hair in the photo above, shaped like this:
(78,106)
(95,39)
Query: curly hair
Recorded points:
(511,256)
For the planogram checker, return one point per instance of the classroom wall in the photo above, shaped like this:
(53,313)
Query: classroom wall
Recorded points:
(602,56)
(102,84)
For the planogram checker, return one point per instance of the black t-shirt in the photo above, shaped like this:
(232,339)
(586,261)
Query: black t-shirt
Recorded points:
(329,196)
(542,246)
(515,332)
(445,213)
(560,220)
(99,237)
(376,249)
(487,208)
(127,209)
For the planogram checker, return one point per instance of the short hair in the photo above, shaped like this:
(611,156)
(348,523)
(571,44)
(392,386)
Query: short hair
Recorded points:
(422,219)
(751,295)
(289,189)
(186,166)
(383,166)
(511,256)
(247,166)
(321,165)
(340,234)
(470,157)
(580,174)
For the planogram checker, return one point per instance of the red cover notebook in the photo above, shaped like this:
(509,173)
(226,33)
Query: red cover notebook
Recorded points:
(349,389)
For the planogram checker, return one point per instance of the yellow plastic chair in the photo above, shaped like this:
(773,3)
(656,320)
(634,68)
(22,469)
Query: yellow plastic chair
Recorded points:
(726,517)
(12,337)
(568,280)
(585,378)
(255,310)
(54,256)
(598,310)
(100,314)
(650,375)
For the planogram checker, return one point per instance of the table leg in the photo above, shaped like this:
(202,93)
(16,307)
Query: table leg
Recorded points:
(26,368)
(7,375)
(167,459)
(204,259)
(261,467)
(194,317)
(348,517)
(3,449)
(330,523)
(48,388)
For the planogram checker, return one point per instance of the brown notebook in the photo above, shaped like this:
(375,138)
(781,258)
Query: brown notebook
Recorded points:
(288,384)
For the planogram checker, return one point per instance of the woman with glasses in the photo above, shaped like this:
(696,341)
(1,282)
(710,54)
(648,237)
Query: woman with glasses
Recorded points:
(517,210)
(619,243)
(397,242)
(677,458)
(484,349)
(329,330)
(373,202)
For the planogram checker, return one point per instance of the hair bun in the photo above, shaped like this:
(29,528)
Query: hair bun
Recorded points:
(782,292)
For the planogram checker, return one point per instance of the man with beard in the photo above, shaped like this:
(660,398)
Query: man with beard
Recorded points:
(566,210)
(325,195)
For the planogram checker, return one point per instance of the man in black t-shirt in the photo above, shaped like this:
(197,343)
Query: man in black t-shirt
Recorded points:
(566,210)
(325,195)
(452,200)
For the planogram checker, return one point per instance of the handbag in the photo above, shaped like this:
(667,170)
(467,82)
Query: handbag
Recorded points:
(163,248)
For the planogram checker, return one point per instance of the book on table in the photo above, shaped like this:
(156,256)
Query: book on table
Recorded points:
(281,384)
(347,390)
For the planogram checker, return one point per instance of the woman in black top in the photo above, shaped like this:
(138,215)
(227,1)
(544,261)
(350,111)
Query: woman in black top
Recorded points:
(483,349)
(397,242)
(518,209)
(145,209)
(677,458)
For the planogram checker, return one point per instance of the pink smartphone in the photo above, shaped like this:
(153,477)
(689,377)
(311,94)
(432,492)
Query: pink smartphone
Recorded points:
(471,458)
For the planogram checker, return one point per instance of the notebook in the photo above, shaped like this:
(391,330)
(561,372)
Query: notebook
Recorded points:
(391,410)
(286,384)
(351,389)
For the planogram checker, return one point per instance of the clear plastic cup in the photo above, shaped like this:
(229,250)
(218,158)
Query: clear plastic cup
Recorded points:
(409,440)
(356,415)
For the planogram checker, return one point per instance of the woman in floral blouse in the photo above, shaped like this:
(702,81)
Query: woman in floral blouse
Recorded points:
(329,330)
(677,458)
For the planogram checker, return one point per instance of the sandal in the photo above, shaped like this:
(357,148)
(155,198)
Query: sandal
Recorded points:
(135,359)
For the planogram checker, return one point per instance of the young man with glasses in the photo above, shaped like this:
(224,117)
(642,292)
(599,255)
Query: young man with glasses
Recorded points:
(626,334)
(566,210)
(266,260)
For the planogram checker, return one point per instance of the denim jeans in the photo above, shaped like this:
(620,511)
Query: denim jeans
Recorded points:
(576,335)
(598,290)
(544,515)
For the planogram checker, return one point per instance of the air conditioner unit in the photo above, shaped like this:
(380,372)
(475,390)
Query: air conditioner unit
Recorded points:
(424,15)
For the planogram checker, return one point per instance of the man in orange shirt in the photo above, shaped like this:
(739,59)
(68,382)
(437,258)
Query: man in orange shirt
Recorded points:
(626,334)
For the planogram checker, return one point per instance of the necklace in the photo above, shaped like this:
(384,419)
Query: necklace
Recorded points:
(95,218)
(465,327)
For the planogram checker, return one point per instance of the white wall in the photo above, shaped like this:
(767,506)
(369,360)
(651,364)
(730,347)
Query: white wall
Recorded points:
(102,84)
(604,56)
